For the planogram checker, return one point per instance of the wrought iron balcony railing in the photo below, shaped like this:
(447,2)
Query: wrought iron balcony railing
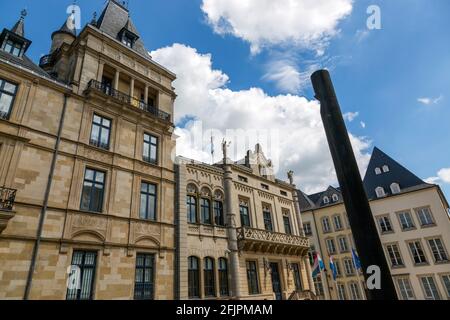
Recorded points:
(7,198)
(267,241)
(125,98)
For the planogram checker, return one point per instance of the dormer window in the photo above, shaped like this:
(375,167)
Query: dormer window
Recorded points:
(386,169)
(335,197)
(380,192)
(14,48)
(395,188)
(127,36)
(377,171)
(326,200)
(127,40)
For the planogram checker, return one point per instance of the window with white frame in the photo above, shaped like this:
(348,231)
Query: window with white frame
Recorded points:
(337,265)
(386,168)
(326,225)
(385,224)
(337,222)
(307,228)
(331,246)
(395,188)
(425,216)
(349,267)
(355,293)
(326,200)
(446,281)
(417,252)
(380,192)
(377,171)
(394,255)
(342,295)
(343,245)
(438,250)
(405,288)
(406,220)
(335,197)
(429,287)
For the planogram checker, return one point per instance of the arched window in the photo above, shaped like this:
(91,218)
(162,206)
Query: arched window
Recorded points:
(191,203)
(223,277)
(395,188)
(205,206)
(208,276)
(326,200)
(219,217)
(380,192)
(386,168)
(335,197)
(193,277)
(377,171)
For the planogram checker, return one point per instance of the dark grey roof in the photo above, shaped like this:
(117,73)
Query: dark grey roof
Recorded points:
(113,19)
(65,29)
(23,62)
(19,27)
(397,174)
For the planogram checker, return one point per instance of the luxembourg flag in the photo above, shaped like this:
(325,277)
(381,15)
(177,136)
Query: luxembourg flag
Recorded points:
(333,269)
(318,265)
(356,260)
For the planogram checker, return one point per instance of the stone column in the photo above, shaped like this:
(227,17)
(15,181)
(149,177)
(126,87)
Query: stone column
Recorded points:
(132,88)
(116,80)
(231,226)
(146,94)
(309,274)
(101,65)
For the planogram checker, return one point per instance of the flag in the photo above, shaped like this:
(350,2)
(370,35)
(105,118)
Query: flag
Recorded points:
(318,265)
(356,260)
(333,269)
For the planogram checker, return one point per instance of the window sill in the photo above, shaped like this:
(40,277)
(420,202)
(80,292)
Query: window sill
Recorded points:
(428,226)
(409,229)
(400,266)
(387,232)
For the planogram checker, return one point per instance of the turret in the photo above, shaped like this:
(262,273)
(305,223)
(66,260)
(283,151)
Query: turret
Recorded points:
(66,34)
(13,41)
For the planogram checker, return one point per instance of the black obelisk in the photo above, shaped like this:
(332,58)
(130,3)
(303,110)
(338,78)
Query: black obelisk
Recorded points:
(363,227)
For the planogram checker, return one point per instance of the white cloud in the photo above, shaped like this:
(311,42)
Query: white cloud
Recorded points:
(350,116)
(443,177)
(362,34)
(285,75)
(302,144)
(363,124)
(306,23)
(429,101)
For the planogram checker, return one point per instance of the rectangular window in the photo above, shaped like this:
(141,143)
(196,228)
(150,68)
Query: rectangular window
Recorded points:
(8,92)
(193,277)
(83,272)
(342,295)
(319,286)
(101,131)
(218,213)
(417,252)
(405,288)
(267,215)
(242,179)
(205,210)
(307,229)
(354,291)
(144,278)
(425,217)
(297,276)
(13,47)
(337,265)
(208,278)
(438,250)
(252,277)
(283,193)
(192,209)
(264,186)
(150,150)
(331,246)
(287,225)
(93,190)
(385,224)
(446,281)
(349,267)
(326,225)
(406,220)
(394,255)
(429,288)
(223,277)
(245,215)
(337,222)
(343,245)
(148,201)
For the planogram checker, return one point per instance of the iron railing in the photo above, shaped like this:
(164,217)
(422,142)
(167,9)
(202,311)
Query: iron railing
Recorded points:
(125,98)
(7,198)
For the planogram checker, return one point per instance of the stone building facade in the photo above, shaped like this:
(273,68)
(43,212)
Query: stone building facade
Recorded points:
(413,221)
(86,171)
(239,232)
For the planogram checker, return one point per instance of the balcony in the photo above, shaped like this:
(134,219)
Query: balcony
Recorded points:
(302,295)
(125,98)
(264,241)
(7,198)
(46,60)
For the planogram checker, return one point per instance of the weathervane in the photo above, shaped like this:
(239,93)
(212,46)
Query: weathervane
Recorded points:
(23,14)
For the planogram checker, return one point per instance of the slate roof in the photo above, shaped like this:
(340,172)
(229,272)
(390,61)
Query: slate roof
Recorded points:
(113,19)
(407,180)
(23,62)
(19,27)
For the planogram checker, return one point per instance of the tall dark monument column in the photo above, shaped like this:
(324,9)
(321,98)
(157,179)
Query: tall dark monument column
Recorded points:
(363,227)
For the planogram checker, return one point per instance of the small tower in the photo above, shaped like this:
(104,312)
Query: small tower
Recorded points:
(13,41)
(66,34)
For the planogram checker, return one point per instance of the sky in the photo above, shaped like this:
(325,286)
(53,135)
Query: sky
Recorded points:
(244,66)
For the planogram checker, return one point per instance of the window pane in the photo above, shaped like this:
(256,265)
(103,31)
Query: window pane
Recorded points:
(9,87)
(5,103)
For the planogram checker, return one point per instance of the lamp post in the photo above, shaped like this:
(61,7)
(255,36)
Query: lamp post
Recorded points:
(363,227)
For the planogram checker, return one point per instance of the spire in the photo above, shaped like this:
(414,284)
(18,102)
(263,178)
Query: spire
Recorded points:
(19,27)
(68,26)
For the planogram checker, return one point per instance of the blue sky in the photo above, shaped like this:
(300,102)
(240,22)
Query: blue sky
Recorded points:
(379,74)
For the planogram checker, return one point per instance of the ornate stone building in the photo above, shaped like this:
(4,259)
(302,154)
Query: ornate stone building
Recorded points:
(239,232)
(86,171)
(413,220)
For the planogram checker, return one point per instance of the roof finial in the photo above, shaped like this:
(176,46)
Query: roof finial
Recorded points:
(94,18)
(23,14)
